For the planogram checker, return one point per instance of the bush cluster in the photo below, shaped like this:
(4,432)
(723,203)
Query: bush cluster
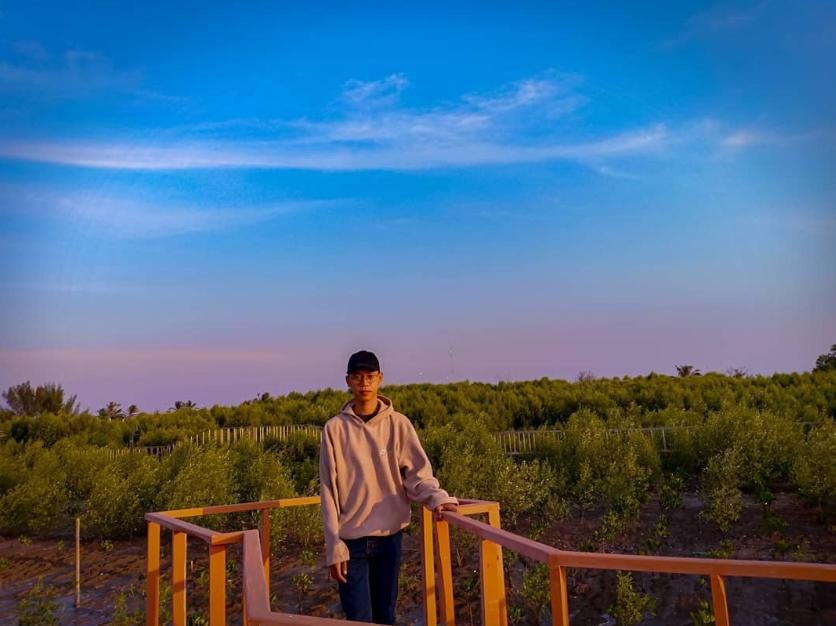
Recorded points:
(650,400)
(737,434)
(41,488)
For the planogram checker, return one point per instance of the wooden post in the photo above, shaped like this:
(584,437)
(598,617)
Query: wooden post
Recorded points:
(718,599)
(152,576)
(178,579)
(428,567)
(77,562)
(265,546)
(445,572)
(217,585)
(494,606)
(557,588)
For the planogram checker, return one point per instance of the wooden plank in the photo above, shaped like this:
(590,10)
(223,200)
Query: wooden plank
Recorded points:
(178,579)
(701,567)
(265,545)
(558,592)
(499,574)
(217,585)
(428,568)
(517,543)
(718,599)
(445,573)
(152,576)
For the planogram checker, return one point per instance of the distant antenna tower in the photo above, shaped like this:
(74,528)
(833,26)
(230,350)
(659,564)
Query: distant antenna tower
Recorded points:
(452,375)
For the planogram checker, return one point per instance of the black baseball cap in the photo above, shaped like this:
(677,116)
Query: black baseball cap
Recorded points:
(363,360)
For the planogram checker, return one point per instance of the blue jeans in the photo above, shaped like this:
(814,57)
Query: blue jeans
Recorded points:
(371,588)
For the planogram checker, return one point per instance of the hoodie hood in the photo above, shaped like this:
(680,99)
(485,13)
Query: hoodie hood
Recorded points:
(384,409)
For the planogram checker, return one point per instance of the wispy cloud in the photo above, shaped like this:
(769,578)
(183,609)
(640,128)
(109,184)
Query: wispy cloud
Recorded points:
(748,137)
(127,217)
(374,93)
(279,155)
(35,72)
(73,73)
(716,19)
(516,124)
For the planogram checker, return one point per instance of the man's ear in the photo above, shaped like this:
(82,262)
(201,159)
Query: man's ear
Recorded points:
(381,379)
(348,384)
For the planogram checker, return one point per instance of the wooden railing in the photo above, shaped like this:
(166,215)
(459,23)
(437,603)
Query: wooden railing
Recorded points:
(493,539)
(435,551)
(256,559)
(217,543)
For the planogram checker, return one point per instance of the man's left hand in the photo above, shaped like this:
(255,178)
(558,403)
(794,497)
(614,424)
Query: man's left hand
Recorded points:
(445,507)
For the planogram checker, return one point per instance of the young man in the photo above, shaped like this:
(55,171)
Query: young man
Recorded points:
(371,465)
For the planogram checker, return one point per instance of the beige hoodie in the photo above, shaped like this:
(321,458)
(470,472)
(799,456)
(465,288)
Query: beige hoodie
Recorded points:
(368,472)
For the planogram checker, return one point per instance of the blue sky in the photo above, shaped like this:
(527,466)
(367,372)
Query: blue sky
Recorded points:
(207,202)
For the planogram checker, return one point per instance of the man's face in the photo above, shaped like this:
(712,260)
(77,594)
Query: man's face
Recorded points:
(363,384)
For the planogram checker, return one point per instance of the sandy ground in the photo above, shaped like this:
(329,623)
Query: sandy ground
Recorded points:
(110,570)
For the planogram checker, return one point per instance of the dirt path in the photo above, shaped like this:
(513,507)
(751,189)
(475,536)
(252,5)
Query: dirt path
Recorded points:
(118,568)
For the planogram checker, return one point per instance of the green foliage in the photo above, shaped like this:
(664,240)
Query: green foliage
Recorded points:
(258,474)
(630,606)
(12,471)
(535,590)
(197,618)
(470,464)
(670,492)
(200,477)
(826,362)
(725,551)
(301,524)
(40,500)
(302,583)
(308,558)
(720,488)
(595,465)
(49,398)
(88,464)
(37,606)
(649,400)
(52,468)
(122,495)
(814,469)
(122,615)
(300,452)
(653,541)
(703,616)
(515,615)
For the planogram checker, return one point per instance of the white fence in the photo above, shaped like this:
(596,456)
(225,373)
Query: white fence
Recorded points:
(232,434)
(516,442)
(513,442)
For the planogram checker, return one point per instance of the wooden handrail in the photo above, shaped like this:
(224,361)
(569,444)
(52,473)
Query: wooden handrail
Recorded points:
(822,572)
(255,548)
(559,560)
(243,507)
(206,535)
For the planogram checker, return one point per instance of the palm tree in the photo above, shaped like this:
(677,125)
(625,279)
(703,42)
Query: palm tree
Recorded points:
(113,410)
(827,361)
(180,404)
(133,410)
(48,398)
(737,372)
(685,371)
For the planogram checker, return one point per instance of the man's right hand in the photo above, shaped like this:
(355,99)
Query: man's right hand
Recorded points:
(339,571)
